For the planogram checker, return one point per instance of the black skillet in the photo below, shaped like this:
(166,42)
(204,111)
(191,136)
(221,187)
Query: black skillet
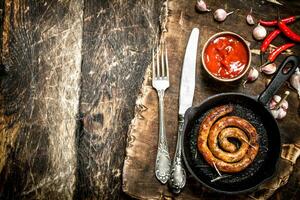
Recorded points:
(253,109)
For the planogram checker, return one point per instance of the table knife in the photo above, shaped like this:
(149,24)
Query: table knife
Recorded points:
(187,87)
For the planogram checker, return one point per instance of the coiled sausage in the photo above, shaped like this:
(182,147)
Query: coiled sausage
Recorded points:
(213,143)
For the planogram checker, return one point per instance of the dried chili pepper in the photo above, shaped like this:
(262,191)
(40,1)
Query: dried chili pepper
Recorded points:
(288,32)
(287,20)
(268,40)
(276,52)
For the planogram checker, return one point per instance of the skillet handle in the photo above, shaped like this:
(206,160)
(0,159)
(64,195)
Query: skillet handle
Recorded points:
(291,63)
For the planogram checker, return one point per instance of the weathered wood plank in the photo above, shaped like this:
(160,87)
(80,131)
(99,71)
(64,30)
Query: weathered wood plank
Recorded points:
(39,150)
(117,39)
(39,99)
(138,178)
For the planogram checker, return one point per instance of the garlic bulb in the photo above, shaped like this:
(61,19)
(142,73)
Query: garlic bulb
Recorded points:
(269,69)
(279,113)
(259,32)
(201,6)
(220,15)
(279,106)
(250,19)
(295,81)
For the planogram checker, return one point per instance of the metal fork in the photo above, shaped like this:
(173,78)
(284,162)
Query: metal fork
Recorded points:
(160,81)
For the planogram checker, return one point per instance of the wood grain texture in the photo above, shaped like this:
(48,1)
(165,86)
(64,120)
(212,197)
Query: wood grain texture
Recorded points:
(75,69)
(117,41)
(138,176)
(40,99)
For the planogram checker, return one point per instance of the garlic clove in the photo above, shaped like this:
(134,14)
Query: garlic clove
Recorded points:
(253,74)
(279,106)
(269,69)
(283,102)
(276,98)
(259,32)
(275,113)
(285,105)
(272,104)
(250,20)
(295,81)
(279,113)
(201,6)
(220,15)
(274,101)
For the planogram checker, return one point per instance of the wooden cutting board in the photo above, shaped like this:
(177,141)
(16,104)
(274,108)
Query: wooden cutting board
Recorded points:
(138,174)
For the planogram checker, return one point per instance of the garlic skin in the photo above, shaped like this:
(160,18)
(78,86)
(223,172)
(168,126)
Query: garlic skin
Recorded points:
(269,69)
(259,32)
(295,81)
(220,15)
(201,6)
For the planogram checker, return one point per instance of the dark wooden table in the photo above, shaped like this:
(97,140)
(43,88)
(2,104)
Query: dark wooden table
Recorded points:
(73,72)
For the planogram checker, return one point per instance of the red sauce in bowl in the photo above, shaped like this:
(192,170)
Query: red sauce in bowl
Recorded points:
(226,56)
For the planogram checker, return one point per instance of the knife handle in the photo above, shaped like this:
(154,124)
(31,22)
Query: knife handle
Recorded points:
(178,175)
(163,161)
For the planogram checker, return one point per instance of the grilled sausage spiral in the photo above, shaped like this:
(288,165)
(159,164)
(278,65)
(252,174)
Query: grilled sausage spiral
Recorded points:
(214,145)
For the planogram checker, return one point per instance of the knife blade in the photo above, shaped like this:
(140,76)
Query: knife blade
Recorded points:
(186,95)
(187,83)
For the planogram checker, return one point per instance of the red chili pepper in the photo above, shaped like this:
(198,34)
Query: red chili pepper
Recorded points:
(268,40)
(287,20)
(288,32)
(278,50)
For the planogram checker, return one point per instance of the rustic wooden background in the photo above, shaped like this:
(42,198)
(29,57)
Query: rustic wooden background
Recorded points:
(73,71)
(138,175)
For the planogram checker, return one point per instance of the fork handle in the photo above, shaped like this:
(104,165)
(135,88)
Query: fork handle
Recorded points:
(163,162)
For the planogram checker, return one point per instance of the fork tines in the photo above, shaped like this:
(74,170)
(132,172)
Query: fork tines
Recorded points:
(161,70)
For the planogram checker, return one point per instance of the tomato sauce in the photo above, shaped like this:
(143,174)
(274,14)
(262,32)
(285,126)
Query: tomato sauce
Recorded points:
(226,56)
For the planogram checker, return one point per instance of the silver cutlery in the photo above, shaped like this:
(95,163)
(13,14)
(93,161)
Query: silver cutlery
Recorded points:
(160,81)
(187,87)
